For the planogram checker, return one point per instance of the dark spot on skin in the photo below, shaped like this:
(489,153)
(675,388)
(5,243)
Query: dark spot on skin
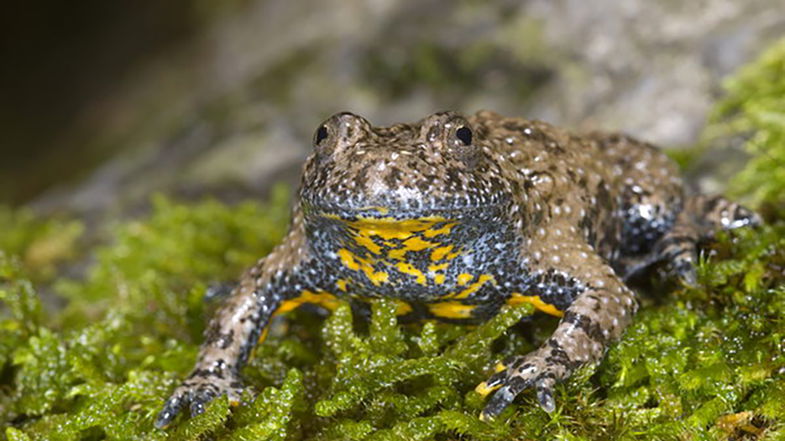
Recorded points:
(585,323)
(604,198)
(434,133)
(225,340)
(393,177)
(536,218)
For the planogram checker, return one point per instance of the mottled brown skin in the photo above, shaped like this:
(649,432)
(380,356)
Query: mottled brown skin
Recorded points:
(456,217)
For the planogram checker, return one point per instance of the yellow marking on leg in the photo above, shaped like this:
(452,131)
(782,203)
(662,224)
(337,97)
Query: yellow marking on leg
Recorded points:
(263,335)
(485,418)
(321,298)
(454,310)
(499,367)
(341,284)
(439,278)
(517,299)
(483,389)
(402,308)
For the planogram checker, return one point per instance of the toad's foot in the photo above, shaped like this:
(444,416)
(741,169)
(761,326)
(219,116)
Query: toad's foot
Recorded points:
(195,392)
(536,369)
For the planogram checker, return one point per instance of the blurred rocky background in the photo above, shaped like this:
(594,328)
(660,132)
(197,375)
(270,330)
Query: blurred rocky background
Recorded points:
(104,103)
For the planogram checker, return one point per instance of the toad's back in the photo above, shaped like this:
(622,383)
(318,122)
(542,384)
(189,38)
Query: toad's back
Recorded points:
(620,193)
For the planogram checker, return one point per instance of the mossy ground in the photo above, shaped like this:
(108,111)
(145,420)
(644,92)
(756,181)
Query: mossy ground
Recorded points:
(698,363)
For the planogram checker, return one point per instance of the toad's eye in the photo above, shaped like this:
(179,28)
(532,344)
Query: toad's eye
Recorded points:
(464,134)
(320,135)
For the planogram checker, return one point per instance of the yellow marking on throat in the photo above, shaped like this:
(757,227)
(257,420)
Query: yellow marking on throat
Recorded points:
(356,263)
(348,259)
(464,278)
(321,298)
(391,228)
(398,236)
(434,272)
(439,267)
(379,209)
(453,255)
(414,243)
(454,310)
(367,243)
(408,268)
(518,298)
(473,288)
(445,229)
(440,253)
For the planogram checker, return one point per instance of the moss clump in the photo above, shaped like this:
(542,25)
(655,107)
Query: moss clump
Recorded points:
(702,361)
(698,363)
(40,244)
(755,109)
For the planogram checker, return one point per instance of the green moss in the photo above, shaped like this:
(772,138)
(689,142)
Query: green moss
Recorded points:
(698,363)
(754,108)
(40,244)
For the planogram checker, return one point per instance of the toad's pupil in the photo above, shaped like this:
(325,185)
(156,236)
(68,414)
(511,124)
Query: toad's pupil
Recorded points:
(465,135)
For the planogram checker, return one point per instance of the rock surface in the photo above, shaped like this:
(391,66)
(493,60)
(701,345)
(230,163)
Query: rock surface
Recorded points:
(232,111)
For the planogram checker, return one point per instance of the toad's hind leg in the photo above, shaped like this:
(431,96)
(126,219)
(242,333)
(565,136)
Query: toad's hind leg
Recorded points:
(700,219)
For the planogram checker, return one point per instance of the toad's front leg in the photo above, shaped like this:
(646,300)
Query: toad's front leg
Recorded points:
(600,308)
(235,329)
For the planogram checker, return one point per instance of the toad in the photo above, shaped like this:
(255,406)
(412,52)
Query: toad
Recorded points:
(455,217)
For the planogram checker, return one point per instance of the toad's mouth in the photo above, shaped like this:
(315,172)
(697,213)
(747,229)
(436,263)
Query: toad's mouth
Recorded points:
(386,215)
(395,205)
(376,222)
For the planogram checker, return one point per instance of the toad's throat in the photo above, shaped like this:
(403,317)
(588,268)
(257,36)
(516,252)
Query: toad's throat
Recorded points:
(385,249)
